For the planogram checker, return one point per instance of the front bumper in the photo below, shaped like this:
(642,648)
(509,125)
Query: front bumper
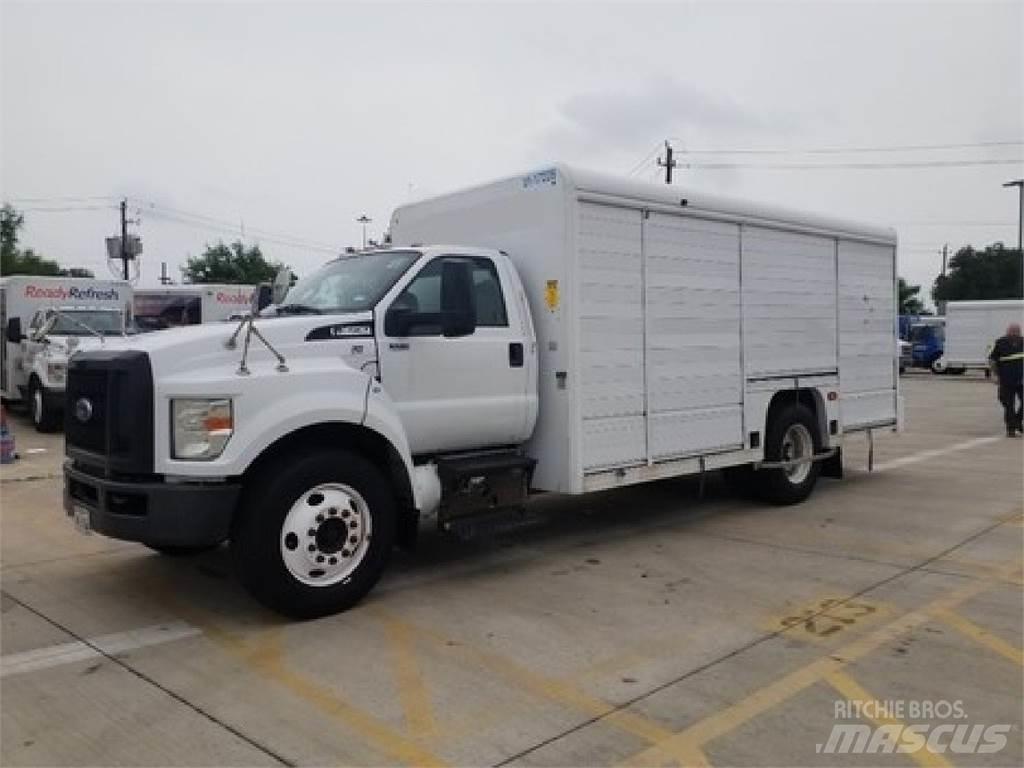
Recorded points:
(153,512)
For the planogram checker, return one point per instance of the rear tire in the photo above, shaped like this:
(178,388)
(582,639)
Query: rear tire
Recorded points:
(792,433)
(314,533)
(44,417)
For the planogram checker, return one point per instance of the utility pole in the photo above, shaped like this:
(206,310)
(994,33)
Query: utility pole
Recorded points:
(668,163)
(364,220)
(124,236)
(945,252)
(165,279)
(1019,184)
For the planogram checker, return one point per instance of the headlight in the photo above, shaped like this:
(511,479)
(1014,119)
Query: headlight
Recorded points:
(200,428)
(56,372)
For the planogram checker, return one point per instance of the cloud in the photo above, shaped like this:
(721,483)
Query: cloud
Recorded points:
(621,119)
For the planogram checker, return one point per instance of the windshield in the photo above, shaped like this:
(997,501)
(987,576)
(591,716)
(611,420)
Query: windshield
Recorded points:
(350,284)
(69,323)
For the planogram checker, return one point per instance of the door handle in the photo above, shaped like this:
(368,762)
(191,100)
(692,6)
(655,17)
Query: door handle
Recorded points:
(515,354)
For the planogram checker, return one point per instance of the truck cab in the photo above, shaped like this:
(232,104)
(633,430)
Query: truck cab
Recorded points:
(52,336)
(380,378)
(927,339)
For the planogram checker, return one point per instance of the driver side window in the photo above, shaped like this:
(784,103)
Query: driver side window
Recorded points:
(423,296)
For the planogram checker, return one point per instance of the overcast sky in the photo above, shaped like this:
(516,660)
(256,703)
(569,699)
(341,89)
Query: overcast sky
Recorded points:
(294,119)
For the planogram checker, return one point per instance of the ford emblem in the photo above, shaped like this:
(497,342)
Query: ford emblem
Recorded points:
(83,409)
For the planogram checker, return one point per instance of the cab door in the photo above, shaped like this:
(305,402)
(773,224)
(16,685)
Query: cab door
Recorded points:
(461,392)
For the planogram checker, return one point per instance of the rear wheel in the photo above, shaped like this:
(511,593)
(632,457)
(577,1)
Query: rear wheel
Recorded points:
(791,436)
(313,537)
(45,418)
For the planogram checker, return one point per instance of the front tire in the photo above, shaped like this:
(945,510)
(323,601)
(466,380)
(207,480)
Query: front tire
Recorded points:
(45,418)
(792,434)
(313,537)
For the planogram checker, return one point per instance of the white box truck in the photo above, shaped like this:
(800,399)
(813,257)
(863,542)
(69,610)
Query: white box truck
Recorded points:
(170,306)
(972,328)
(581,332)
(44,321)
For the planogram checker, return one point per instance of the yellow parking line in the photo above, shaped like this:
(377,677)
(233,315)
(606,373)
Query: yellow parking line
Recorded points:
(764,699)
(566,694)
(262,653)
(916,744)
(982,636)
(412,689)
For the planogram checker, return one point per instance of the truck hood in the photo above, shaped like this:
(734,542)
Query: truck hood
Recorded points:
(302,340)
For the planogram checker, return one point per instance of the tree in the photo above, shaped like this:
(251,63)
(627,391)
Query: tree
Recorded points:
(994,273)
(14,261)
(910,304)
(233,263)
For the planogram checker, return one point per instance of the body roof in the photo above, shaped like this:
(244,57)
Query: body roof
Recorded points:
(581,180)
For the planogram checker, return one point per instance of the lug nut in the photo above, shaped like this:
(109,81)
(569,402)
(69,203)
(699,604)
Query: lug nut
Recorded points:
(319,518)
(311,547)
(332,511)
(345,553)
(344,513)
(333,561)
(311,532)
(353,524)
(319,558)
(353,539)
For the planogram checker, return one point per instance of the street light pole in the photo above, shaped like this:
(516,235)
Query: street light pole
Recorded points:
(1019,184)
(364,220)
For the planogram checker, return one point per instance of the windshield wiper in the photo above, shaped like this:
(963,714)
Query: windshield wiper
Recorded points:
(298,309)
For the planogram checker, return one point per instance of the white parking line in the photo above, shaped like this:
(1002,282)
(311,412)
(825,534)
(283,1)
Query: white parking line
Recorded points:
(67,653)
(914,458)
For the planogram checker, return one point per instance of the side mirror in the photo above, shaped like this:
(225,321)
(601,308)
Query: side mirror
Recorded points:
(397,321)
(282,282)
(458,301)
(14,334)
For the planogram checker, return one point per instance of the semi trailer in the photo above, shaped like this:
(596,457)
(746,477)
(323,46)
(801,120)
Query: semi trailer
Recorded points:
(559,331)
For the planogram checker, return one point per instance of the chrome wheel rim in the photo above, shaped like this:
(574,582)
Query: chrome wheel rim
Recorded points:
(797,444)
(326,534)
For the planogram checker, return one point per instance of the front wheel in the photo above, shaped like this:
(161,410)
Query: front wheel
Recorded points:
(314,536)
(45,417)
(791,436)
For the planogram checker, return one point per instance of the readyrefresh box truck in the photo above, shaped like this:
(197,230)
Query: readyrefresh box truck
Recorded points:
(45,320)
(559,331)
(173,305)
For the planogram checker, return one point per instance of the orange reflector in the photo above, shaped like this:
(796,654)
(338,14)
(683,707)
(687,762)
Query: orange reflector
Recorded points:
(217,423)
(833,396)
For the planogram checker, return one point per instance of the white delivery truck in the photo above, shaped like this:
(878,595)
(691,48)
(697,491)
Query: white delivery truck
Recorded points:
(580,333)
(972,328)
(45,320)
(170,306)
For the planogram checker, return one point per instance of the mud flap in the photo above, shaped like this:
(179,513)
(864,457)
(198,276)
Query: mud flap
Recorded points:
(833,465)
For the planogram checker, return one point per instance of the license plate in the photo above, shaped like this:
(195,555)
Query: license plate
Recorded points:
(82,522)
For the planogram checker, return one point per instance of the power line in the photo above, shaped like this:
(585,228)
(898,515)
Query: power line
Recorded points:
(66,208)
(647,158)
(851,150)
(59,199)
(853,165)
(231,229)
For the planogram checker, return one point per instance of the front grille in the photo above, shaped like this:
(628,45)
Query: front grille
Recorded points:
(114,389)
